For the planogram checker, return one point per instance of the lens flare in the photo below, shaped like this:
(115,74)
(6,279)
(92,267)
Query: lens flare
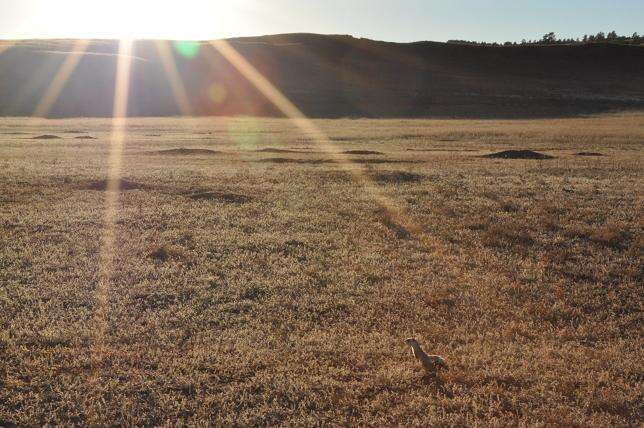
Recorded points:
(187,48)
(217,93)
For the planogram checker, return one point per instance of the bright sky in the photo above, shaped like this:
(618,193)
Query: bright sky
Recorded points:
(393,20)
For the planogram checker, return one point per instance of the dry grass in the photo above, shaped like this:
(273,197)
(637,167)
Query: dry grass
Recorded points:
(249,292)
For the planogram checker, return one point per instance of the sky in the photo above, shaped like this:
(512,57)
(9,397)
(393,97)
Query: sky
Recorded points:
(391,20)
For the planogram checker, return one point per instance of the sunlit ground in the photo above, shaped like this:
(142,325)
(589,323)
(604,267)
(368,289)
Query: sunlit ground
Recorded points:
(253,278)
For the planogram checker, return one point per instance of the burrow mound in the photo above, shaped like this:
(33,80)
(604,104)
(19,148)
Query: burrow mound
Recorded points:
(219,196)
(186,152)
(362,152)
(518,154)
(47,137)
(589,154)
(123,184)
(398,177)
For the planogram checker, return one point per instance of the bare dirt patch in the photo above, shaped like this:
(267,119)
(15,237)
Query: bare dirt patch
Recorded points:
(165,252)
(362,152)
(46,137)
(518,154)
(398,177)
(123,185)
(219,196)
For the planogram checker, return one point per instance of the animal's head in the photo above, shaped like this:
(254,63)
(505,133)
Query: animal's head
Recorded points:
(411,341)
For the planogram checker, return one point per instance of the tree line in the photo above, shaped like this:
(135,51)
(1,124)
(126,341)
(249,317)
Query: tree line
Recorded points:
(552,39)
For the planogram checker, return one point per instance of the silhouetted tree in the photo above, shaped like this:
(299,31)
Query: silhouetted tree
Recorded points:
(549,38)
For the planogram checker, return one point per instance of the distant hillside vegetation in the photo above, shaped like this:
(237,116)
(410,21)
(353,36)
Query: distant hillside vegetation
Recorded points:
(337,76)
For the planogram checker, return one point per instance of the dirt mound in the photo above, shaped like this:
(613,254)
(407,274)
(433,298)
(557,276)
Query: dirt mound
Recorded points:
(47,137)
(123,185)
(589,154)
(398,177)
(186,152)
(518,154)
(362,152)
(219,196)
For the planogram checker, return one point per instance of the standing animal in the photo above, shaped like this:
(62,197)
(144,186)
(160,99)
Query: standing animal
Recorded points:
(431,363)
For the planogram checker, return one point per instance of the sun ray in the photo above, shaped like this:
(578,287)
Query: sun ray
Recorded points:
(392,212)
(60,80)
(114,170)
(174,78)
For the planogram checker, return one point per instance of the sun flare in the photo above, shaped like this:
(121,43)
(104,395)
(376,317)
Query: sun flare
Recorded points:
(145,19)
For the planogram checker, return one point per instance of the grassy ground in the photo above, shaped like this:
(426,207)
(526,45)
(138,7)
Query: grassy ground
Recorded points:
(255,286)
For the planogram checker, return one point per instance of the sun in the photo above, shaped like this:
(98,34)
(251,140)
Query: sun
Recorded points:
(147,19)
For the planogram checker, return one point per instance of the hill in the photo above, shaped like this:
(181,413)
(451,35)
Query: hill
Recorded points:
(336,76)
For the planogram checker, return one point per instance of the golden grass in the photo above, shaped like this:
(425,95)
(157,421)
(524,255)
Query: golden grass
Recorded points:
(251,292)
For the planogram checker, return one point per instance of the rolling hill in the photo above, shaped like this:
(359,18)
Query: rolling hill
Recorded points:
(335,76)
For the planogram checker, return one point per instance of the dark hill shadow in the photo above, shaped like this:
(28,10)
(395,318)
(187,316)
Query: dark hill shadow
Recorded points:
(338,76)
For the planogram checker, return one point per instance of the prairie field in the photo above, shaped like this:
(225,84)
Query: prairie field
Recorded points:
(256,277)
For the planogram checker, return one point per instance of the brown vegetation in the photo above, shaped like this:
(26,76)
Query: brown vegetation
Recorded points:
(261,293)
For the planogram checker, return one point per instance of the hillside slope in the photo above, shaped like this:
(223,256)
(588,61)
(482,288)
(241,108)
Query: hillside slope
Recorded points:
(337,76)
